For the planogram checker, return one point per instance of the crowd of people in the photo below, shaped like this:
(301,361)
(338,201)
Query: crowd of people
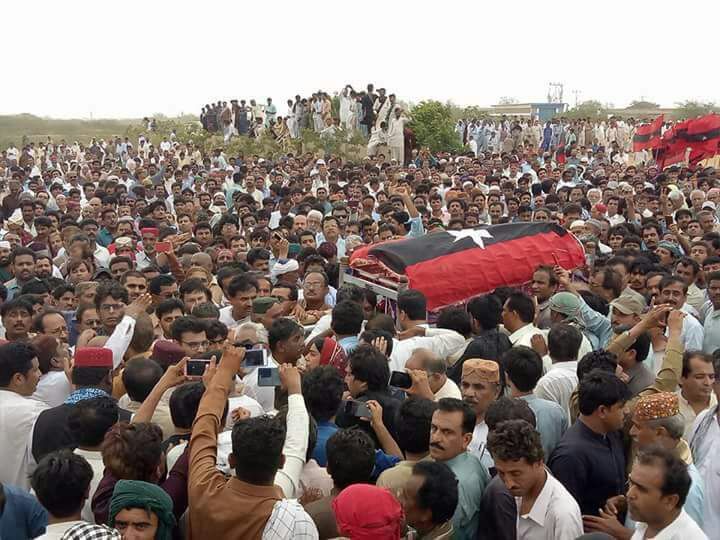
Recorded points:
(182,358)
(377,116)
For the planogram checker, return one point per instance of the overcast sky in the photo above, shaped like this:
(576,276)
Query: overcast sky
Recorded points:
(137,58)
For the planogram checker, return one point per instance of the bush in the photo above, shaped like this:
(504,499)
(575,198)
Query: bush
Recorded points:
(432,123)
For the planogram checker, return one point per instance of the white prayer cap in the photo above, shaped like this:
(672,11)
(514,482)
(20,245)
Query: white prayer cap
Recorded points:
(4,244)
(320,162)
(285,268)
(16,217)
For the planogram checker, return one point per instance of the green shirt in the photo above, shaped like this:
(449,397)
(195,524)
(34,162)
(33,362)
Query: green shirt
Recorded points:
(472,478)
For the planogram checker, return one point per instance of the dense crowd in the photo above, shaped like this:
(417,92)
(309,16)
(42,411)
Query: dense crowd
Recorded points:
(183,359)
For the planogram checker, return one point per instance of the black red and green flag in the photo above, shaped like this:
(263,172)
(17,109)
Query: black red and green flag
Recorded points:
(452,266)
(648,136)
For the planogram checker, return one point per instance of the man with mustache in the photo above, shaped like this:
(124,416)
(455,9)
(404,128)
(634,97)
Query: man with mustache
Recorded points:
(5,272)
(673,291)
(480,386)
(451,431)
(540,498)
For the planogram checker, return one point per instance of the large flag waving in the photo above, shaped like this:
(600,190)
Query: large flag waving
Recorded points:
(703,137)
(647,136)
(452,266)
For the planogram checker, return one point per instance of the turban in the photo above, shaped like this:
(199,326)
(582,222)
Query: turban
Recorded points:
(367,512)
(475,370)
(567,304)
(672,248)
(279,269)
(137,494)
(16,218)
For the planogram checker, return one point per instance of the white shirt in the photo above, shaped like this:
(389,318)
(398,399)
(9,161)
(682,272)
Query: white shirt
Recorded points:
(94,458)
(265,395)
(688,413)
(275,218)
(449,389)
(683,528)
(17,418)
(440,341)
(523,336)
(558,384)
(478,445)
(709,469)
(102,256)
(555,514)
(227,319)
(246,402)
(57,530)
(53,388)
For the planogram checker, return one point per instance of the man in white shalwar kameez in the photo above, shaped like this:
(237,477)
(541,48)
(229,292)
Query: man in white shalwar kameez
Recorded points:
(396,135)
(18,412)
(378,137)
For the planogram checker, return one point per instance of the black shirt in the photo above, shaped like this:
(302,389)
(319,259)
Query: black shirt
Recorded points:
(498,513)
(590,466)
(51,430)
(390,407)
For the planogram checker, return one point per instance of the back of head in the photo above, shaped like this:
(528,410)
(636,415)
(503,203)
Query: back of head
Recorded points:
(184,403)
(133,451)
(383,322)
(347,318)
(486,310)
(564,342)
(370,366)
(413,425)
(455,319)
(140,376)
(350,457)
(523,366)
(61,482)
(439,490)
(600,359)
(505,408)
(281,330)
(90,419)
(600,388)
(322,389)
(257,445)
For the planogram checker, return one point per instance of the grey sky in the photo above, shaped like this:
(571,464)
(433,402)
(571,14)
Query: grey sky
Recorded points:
(137,58)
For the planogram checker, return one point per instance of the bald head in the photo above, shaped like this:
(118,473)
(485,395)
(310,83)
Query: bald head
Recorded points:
(203,260)
(427,360)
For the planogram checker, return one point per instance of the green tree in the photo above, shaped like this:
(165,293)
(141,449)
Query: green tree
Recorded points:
(587,109)
(434,127)
(693,109)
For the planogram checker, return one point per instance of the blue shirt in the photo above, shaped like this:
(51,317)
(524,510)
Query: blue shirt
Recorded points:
(324,432)
(23,516)
(551,421)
